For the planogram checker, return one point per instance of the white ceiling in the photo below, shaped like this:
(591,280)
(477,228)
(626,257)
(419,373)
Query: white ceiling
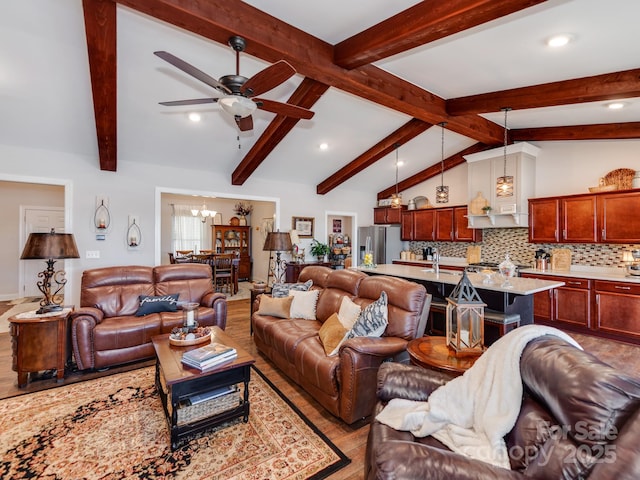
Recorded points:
(45,93)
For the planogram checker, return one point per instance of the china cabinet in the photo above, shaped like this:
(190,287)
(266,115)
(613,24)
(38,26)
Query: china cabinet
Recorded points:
(237,240)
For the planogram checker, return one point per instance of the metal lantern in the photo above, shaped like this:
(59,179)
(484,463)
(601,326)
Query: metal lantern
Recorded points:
(465,319)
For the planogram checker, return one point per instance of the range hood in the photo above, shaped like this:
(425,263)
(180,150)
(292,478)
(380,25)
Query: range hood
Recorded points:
(484,168)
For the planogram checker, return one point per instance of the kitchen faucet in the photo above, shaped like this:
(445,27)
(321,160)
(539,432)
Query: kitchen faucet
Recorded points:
(436,261)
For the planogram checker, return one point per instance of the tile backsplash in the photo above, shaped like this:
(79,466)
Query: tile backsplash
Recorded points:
(515,241)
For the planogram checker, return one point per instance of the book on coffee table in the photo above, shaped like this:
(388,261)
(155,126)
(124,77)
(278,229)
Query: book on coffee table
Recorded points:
(209,356)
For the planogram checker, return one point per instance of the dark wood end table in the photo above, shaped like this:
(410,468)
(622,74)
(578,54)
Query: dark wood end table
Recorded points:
(177,383)
(432,352)
(39,342)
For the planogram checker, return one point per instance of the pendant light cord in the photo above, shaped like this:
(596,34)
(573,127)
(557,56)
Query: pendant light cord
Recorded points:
(506,109)
(397,147)
(442,155)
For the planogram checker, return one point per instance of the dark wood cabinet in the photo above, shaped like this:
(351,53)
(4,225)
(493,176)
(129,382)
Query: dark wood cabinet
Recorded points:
(618,217)
(588,218)
(237,240)
(292,272)
(388,215)
(441,224)
(617,309)
(444,224)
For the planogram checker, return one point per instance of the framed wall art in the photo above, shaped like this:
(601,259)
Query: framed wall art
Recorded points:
(303,225)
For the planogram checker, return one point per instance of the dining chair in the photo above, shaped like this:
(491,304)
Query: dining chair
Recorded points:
(182,253)
(223,272)
(172,259)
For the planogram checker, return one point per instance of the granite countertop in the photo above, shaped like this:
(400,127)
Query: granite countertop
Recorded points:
(519,285)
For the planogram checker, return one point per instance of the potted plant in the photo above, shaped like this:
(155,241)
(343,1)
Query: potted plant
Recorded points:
(487,209)
(319,250)
(243,209)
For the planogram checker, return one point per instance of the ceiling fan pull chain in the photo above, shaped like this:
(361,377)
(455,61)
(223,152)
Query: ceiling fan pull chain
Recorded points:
(238,138)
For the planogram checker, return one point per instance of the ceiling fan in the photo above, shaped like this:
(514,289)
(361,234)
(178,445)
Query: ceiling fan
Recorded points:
(236,93)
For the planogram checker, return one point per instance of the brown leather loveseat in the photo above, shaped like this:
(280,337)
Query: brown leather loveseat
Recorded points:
(105,330)
(345,384)
(579,418)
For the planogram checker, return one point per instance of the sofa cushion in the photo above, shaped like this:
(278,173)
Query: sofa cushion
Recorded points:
(304,304)
(349,312)
(279,290)
(332,334)
(156,304)
(372,321)
(117,333)
(275,307)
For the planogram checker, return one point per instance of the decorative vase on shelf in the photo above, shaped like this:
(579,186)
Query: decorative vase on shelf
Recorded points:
(243,221)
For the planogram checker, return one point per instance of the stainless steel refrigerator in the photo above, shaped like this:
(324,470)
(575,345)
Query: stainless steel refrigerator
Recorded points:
(385,243)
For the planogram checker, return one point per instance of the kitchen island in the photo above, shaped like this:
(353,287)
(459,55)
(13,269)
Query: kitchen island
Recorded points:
(517,298)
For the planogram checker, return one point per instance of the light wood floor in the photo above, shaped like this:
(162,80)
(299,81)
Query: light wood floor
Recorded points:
(351,440)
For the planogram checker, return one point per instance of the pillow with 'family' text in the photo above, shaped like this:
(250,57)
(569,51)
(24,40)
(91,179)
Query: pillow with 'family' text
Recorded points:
(282,289)
(163,303)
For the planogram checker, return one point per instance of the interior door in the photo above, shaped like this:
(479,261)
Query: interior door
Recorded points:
(38,220)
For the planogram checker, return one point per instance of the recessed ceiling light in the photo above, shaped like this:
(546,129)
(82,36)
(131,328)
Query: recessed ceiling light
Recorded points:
(400,163)
(559,40)
(194,117)
(615,105)
(324,146)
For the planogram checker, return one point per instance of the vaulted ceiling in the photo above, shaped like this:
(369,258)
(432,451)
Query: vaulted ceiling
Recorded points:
(378,74)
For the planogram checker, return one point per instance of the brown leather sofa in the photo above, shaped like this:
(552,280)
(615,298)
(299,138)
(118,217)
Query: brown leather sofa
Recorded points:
(580,418)
(344,384)
(105,330)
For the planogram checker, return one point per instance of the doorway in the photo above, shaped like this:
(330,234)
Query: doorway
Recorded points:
(341,228)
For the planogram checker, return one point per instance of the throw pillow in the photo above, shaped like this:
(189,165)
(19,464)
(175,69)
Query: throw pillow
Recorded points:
(332,334)
(276,307)
(373,320)
(304,304)
(163,303)
(280,290)
(348,313)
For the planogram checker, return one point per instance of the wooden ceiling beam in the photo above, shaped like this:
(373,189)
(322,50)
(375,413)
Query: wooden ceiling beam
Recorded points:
(433,170)
(100,31)
(408,131)
(271,40)
(609,86)
(306,95)
(425,22)
(602,131)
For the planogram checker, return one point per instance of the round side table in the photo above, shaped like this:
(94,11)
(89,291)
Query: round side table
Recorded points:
(39,342)
(432,352)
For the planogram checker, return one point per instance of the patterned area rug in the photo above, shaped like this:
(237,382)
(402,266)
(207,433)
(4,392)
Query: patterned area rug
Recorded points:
(114,428)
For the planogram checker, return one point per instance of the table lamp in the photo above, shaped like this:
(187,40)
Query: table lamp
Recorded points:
(278,242)
(50,247)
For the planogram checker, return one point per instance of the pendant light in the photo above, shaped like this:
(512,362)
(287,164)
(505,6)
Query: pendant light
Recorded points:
(504,187)
(396,198)
(442,192)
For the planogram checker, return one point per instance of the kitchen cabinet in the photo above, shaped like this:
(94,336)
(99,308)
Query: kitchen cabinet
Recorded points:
(617,309)
(236,240)
(566,306)
(388,215)
(440,224)
(588,218)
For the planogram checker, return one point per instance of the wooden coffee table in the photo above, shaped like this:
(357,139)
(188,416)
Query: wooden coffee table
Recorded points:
(178,385)
(432,352)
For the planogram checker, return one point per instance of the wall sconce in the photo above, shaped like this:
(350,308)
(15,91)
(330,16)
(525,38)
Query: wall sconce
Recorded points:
(504,186)
(465,319)
(134,234)
(102,216)
(50,247)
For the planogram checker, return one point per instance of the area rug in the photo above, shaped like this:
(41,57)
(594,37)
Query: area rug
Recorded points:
(10,308)
(114,428)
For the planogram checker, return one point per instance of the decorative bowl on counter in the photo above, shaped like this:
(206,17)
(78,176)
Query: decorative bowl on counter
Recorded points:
(634,269)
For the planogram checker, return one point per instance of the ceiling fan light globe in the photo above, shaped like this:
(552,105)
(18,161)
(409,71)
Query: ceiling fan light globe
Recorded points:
(237,106)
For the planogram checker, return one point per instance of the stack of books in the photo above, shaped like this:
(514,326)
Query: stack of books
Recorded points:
(209,356)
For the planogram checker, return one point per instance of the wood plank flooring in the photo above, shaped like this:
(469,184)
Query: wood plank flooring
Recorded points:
(350,439)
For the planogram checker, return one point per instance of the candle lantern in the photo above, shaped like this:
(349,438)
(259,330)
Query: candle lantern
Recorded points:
(465,319)
(190,315)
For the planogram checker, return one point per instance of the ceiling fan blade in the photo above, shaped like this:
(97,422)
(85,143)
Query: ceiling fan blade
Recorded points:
(266,79)
(244,123)
(284,109)
(191,70)
(195,101)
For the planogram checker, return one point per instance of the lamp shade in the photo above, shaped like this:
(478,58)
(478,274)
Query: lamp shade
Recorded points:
(277,242)
(50,246)
(237,106)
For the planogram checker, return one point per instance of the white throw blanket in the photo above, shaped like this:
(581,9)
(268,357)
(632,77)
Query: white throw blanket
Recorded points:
(472,413)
